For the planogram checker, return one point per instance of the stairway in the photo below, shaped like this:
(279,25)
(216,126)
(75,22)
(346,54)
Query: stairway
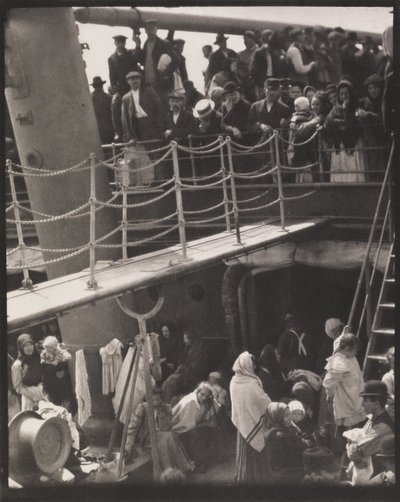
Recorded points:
(382,332)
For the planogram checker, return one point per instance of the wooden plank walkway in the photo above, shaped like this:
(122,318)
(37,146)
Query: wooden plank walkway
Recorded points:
(59,295)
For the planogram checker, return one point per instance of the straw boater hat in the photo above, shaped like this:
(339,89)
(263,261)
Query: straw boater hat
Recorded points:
(203,108)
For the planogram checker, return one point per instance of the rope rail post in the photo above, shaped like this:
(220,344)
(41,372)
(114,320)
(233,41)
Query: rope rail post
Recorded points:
(115,164)
(279,178)
(92,284)
(233,190)
(27,281)
(192,161)
(178,195)
(224,187)
(125,183)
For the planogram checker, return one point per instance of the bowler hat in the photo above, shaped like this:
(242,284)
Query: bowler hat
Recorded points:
(250,34)
(387,447)
(203,108)
(375,388)
(317,459)
(176,95)
(133,74)
(272,83)
(284,82)
(220,38)
(230,87)
(97,82)
(119,37)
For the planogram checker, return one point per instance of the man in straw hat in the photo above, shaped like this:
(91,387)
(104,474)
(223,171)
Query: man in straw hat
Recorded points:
(220,60)
(379,424)
(102,109)
(209,120)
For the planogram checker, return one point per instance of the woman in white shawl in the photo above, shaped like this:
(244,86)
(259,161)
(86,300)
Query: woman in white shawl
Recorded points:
(249,405)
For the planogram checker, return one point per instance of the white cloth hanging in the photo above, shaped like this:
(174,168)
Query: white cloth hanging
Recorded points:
(111,358)
(82,388)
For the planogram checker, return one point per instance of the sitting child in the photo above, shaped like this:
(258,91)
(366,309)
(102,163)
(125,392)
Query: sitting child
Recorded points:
(302,421)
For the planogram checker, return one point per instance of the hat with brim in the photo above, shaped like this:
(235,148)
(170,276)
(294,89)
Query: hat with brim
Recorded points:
(97,82)
(179,41)
(284,82)
(230,87)
(134,74)
(250,34)
(119,38)
(176,95)
(375,388)
(220,38)
(295,33)
(203,108)
(37,444)
(272,83)
(387,447)
(149,22)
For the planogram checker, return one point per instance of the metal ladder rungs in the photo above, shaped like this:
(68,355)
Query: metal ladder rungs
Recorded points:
(389,279)
(386,305)
(384,331)
(377,357)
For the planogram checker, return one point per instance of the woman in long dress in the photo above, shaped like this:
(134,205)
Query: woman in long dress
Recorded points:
(249,405)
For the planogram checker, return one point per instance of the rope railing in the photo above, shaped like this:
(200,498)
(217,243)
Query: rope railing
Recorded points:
(224,148)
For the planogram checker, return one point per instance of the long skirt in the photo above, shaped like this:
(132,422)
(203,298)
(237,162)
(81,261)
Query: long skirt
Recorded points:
(347,165)
(198,443)
(172,452)
(251,465)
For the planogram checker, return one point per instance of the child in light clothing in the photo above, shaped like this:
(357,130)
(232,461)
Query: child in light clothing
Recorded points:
(344,383)
(388,380)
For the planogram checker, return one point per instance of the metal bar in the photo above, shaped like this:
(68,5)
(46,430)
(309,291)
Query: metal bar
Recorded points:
(178,196)
(368,298)
(92,284)
(370,239)
(233,190)
(115,164)
(125,184)
(192,161)
(279,178)
(27,281)
(320,160)
(224,186)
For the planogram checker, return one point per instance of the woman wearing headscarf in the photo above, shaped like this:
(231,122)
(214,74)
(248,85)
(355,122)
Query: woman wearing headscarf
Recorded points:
(284,446)
(249,405)
(272,378)
(27,374)
(194,420)
(342,122)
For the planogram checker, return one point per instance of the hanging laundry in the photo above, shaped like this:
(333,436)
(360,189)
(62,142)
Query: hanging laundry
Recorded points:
(111,358)
(82,388)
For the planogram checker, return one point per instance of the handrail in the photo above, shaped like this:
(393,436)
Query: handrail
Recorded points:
(370,239)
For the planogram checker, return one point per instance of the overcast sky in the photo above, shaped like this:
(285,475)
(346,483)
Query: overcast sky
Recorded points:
(100,41)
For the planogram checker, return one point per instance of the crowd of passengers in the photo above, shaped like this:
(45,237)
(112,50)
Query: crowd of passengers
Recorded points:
(297,80)
(294,415)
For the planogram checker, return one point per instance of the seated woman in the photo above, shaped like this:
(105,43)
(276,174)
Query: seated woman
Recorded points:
(27,374)
(194,419)
(271,375)
(169,350)
(171,452)
(284,446)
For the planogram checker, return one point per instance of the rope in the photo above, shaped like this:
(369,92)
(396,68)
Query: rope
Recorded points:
(140,242)
(259,207)
(48,172)
(245,201)
(188,150)
(50,218)
(54,250)
(11,251)
(138,204)
(198,211)
(208,220)
(236,146)
(49,262)
(101,239)
(253,176)
(298,144)
(150,222)
(202,178)
(202,147)
(143,168)
(287,168)
(202,187)
(10,208)
(301,196)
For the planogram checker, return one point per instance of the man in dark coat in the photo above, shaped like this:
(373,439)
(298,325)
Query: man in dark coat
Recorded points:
(159,60)
(179,45)
(209,120)
(220,60)
(121,62)
(300,59)
(180,122)
(102,110)
(268,114)
(192,95)
(350,56)
(143,116)
(284,92)
(235,110)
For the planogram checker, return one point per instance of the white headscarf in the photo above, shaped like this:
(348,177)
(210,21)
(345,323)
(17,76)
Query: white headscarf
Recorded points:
(249,402)
(387,42)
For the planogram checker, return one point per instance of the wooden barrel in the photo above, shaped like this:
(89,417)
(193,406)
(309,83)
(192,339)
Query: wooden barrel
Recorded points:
(37,445)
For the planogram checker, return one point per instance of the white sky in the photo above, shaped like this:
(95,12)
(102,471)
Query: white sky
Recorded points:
(100,41)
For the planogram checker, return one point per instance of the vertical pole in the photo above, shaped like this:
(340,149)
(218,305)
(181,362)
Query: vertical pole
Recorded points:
(224,187)
(391,205)
(92,284)
(26,282)
(125,182)
(192,161)
(320,157)
(178,195)
(279,178)
(233,190)
(115,164)
(368,293)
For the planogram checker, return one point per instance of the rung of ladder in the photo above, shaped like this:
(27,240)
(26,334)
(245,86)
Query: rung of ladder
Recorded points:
(384,331)
(378,357)
(389,279)
(387,305)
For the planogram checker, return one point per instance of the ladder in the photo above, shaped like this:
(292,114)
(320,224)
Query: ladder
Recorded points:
(382,332)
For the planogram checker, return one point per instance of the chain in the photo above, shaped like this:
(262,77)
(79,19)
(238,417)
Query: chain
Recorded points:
(11,251)
(101,239)
(149,166)
(49,171)
(50,218)
(199,148)
(245,201)
(49,262)
(205,210)
(202,178)
(140,242)
(208,220)
(138,204)
(202,187)
(251,148)
(10,208)
(298,144)
(248,176)
(151,222)
(62,250)
(301,196)
(299,168)
(259,207)
(201,152)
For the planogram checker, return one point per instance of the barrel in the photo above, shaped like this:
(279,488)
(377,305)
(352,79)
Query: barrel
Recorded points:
(37,445)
